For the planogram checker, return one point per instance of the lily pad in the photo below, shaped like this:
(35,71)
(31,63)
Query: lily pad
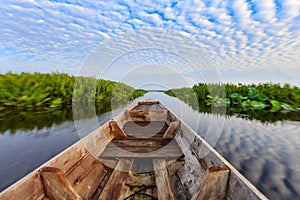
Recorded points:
(246,104)
(275,104)
(263,97)
(252,93)
(234,95)
(287,107)
(257,105)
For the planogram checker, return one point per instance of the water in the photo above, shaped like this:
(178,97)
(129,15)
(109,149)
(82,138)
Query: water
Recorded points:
(265,153)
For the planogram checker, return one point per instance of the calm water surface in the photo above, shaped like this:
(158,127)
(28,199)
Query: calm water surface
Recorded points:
(265,153)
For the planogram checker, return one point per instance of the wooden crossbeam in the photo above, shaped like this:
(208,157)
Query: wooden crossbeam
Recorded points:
(142,152)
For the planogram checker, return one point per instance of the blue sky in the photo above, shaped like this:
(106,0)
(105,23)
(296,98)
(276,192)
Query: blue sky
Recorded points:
(240,40)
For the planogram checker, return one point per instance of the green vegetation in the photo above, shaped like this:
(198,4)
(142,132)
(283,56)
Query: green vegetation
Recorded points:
(253,101)
(56,90)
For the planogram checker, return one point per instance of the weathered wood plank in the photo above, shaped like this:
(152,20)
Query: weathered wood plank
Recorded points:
(240,188)
(145,130)
(116,130)
(162,179)
(215,183)
(173,167)
(112,189)
(141,152)
(148,102)
(56,184)
(30,188)
(143,142)
(147,125)
(191,173)
(147,115)
(172,129)
(67,159)
(98,140)
(148,137)
(86,177)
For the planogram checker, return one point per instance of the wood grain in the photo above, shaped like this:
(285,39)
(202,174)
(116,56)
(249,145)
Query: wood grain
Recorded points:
(112,189)
(172,130)
(162,180)
(141,152)
(147,115)
(56,185)
(86,177)
(27,189)
(116,130)
(215,183)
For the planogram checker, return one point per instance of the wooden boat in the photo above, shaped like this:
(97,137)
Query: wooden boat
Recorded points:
(146,152)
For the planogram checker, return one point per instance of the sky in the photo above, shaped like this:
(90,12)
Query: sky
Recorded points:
(166,43)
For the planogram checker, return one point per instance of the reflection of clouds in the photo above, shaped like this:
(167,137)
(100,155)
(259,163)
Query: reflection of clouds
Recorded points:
(266,154)
(236,34)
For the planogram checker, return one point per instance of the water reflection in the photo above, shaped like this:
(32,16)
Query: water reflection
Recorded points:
(261,115)
(13,120)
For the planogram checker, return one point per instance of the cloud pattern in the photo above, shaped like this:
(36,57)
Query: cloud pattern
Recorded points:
(237,35)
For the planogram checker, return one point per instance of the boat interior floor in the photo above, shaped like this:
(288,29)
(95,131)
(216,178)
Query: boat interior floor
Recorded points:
(147,156)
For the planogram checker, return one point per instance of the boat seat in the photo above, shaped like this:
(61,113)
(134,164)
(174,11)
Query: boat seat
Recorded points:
(172,130)
(79,183)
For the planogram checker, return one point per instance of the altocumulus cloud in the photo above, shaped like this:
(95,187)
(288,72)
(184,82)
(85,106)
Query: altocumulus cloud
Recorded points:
(237,35)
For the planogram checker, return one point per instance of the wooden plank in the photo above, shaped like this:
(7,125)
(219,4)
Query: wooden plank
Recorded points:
(112,189)
(147,115)
(116,130)
(86,177)
(162,180)
(148,102)
(173,167)
(98,140)
(144,124)
(142,152)
(215,185)
(191,173)
(143,142)
(240,188)
(146,136)
(66,160)
(139,129)
(56,184)
(172,129)
(27,189)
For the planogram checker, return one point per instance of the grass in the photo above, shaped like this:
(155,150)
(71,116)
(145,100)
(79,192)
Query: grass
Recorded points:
(59,89)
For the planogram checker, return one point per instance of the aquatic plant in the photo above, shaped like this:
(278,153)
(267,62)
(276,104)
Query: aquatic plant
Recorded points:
(247,100)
